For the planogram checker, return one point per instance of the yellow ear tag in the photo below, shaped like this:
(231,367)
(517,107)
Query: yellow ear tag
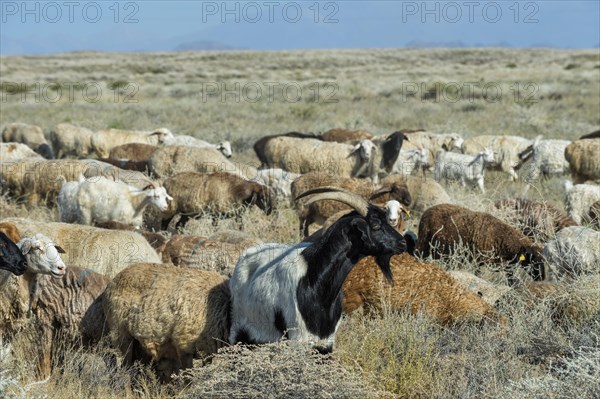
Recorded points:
(521,258)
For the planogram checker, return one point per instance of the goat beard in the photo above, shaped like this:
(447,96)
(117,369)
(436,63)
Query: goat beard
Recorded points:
(383,261)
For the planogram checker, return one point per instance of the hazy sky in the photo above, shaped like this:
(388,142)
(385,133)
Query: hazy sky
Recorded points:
(31,27)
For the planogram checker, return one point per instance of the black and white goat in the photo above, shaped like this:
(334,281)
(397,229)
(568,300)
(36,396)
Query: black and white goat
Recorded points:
(295,291)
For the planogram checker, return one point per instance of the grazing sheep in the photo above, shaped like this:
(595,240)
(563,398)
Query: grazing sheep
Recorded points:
(433,141)
(259,145)
(319,212)
(105,140)
(346,136)
(167,315)
(11,257)
(535,218)
(296,291)
(220,194)
(224,146)
(202,253)
(306,155)
(279,180)
(583,159)
(547,159)
(89,202)
(573,251)
(31,135)
(506,151)
(104,251)
(71,140)
(170,160)
(133,152)
(579,198)
(424,192)
(418,286)
(443,227)
(461,167)
(15,151)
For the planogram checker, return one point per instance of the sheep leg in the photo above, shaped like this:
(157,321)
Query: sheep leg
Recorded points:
(44,360)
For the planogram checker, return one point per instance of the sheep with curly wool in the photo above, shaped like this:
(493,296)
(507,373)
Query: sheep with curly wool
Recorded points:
(280,291)
(583,159)
(418,286)
(167,315)
(70,140)
(443,227)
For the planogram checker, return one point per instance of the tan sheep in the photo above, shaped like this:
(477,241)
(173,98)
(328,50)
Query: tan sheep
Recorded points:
(71,140)
(171,314)
(584,160)
(418,286)
(105,140)
(15,151)
(424,192)
(31,135)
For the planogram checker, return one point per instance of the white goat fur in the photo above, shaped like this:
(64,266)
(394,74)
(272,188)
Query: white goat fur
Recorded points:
(465,168)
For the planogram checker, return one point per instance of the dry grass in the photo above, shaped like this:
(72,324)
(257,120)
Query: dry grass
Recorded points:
(550,346)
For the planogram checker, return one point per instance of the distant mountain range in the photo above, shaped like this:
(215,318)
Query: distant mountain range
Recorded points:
(205,45)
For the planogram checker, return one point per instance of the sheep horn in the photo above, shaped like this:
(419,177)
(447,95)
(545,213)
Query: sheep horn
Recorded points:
(381,191)
(337,194)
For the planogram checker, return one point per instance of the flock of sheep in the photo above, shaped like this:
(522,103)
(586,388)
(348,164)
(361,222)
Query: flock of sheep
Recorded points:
(116,266)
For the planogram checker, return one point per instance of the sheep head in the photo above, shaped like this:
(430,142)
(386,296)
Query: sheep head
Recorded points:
(367,226)
(43,256)
(394,211)
(532,259)
(225,148)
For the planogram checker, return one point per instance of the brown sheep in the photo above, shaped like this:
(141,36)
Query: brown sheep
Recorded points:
(202,253)
(417,285)
(346,136)
(133,152)
(11,231)
(583,159)
(319,212)
(536,217)
(220,194)
(156,240)
(167,314)
(443,227)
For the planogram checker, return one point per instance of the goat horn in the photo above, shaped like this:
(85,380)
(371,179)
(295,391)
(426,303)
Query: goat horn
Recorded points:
(381,191)
(353,200)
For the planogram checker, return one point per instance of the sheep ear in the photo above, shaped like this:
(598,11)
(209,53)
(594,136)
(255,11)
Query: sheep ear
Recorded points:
(59,249)
(26,247)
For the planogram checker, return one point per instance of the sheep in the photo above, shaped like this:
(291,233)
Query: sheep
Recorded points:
(167,315)
(31,135)
(490,293)
(424,192)
(156,240)
(579,198)
(444,226)
(583,159)
(547,159)
(102,200)
(259,145)
(506,151)
(133,152)
(71,140)
(346,136)
(573,251)
(306,155)
(220,194)
(319,212)
(296,291)
(418,286)
(16,151)
(104,251)
(411,161)
(105,140)
(203,253)
(432,141)
(11,231)
(224,146)
(170,160)
(388,149)
(535,218)
(465,168)
(279,181)
(11,257)
(39,181)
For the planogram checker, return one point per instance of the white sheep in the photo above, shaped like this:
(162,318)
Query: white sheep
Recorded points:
(295,291)
(224,146)
(547,159)
(465,168)
(573,251)
(101,200)
(579,198)
(15,151)
(279,180)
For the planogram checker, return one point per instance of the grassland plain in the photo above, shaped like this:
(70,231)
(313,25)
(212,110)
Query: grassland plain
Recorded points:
(550,348)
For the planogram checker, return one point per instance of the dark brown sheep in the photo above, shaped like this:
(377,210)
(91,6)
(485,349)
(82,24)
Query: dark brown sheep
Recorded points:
(536,217)
(443,227)
(220,194)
